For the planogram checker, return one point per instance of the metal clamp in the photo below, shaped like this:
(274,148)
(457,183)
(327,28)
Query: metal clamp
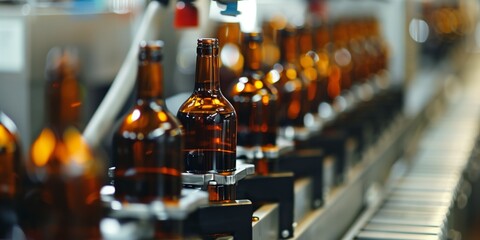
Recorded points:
(220,178)
(283,146)
(190,201)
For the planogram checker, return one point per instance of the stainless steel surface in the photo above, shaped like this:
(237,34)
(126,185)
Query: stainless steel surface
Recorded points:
(191,200)
(347,200)
(372,235)
(283,146)
(382,227)
(241,172)
(303,194)
(266,227)
(425,199)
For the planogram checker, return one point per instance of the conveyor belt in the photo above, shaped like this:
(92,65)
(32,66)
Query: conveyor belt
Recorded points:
(422,203)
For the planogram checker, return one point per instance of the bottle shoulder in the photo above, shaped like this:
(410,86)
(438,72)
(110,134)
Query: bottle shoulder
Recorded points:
(65,147)
(199,103)
(252,84)
(8,140)
(148,117)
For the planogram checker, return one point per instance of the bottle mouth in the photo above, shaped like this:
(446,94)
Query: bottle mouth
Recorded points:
(207,46)
(207,42)
(253,37)
(151,50)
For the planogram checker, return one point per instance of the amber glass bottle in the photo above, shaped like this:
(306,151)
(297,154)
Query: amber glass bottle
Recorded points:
(10,158)
(292,87)
(309,63)
(360,57)
(65,202)
(329,72)
(208,118)
(270,49)
(230,54)
(342,55)
(10,167)
(148,145)
(378,43)
(254,99)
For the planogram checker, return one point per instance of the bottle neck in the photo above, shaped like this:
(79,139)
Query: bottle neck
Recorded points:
(305,42)
(289,49)
(63,99)
(229,33)
(321,38)
(150,80)
(207,71)
(253,56)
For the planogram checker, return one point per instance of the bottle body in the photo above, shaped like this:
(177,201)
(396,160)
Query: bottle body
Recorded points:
(10,159)
(210,127)
(148,144)
(329,72)
(291,85)
(230,55)
(255,102)
(209,120)
(10,174)
(254,99)
(342,55)
(309,63)
(148,157)
(65,200)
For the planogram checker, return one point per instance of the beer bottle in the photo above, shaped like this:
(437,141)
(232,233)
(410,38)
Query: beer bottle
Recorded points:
(360,56)
(342,55)
(10,158)
(254,99)
(230,54)
(10,172)
(208,118)
(291,86)
(271,50)
(148,145)
(64,202)
(329,72)
(309,63)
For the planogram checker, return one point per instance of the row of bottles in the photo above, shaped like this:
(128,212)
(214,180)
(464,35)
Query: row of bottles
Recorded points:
(305,65)
(152,147)
(62,177)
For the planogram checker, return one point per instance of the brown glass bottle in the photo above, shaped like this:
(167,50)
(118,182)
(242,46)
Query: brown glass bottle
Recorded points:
(342,55)
(10,172)
(254,99)
(64,202)
(148,145)
(329,72)
(208,118)
(360,58)
(378,43)
(291,86)
(309,63)
(10,159)
(271,50)
(230,54)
